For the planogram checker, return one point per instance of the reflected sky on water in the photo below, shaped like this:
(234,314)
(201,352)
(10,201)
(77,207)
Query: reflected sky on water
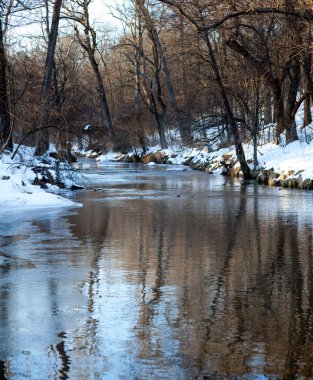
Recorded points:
(164,273)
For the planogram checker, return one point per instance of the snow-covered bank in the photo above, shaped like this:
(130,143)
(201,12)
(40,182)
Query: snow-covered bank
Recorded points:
(296,156)
(17,190)
(290,166)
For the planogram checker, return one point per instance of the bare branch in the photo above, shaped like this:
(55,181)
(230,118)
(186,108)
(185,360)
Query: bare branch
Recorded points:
(306,15)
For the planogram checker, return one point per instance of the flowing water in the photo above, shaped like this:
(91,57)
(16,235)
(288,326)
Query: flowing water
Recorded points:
(162,274)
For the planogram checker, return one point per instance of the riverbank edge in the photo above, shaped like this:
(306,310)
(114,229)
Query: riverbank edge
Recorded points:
(28,181)
(224,164)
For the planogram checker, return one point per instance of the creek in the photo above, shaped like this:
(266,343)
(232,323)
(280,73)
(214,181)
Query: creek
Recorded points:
(164,273)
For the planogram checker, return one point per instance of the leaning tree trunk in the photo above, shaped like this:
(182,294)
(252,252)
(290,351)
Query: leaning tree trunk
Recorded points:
(5,130)
(89,44)
(229,112)
(43,141)
(102,96)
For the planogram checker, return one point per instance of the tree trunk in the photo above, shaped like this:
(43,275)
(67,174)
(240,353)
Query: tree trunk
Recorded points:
(278,107)
(137,97)
(291,130)
(268,114)
(307,117)
(154,36)
(229,112)
(43,141)
(182,58)
(187,117)
(161,129)
(308,88)
(102,96)
(5,130)
(290,110)
(294,71)
(256,124)
(159,115)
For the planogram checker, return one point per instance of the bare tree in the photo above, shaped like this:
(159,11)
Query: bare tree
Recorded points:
(88,41)
(146,69)
(196,20)
(282,73)
(159,50)
(261,34)
(5,130)
(6,140)
(43,142)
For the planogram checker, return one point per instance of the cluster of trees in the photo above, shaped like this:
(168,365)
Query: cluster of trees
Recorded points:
(175,64)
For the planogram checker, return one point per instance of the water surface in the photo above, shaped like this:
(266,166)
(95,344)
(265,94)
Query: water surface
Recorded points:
(163,273)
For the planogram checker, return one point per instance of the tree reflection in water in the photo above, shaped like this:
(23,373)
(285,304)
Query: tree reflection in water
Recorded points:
(220,284)
(2,370)
(216,283)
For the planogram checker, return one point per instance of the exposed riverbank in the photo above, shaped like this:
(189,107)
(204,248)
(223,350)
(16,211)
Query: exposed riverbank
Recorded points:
(290,166)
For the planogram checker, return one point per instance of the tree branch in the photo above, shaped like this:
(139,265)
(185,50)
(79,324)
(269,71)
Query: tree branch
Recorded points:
(299,102)
(305,15)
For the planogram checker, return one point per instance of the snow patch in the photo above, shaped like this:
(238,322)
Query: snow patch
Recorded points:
(16,188)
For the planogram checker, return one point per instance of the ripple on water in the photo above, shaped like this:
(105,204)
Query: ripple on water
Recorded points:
(140,283)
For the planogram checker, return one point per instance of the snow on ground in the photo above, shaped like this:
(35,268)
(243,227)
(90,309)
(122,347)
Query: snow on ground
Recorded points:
(110,156)
(16,189)
(297,156)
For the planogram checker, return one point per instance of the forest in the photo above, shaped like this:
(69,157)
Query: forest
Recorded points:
(208,70)
(117,259)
